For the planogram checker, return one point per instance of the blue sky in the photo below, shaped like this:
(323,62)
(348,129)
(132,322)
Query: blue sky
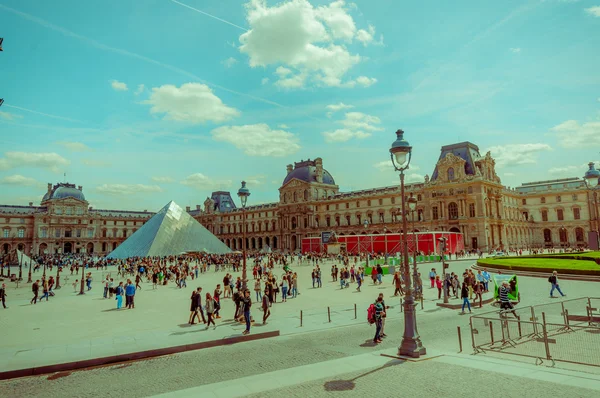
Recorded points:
(144,102)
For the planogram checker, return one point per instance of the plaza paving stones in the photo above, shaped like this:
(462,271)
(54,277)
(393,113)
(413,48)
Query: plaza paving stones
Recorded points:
(63,328)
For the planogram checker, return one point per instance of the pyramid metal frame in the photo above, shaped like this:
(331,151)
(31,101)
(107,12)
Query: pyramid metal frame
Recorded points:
(171,231)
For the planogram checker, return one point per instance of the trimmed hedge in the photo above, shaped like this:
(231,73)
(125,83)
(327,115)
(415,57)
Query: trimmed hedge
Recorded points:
(525,268)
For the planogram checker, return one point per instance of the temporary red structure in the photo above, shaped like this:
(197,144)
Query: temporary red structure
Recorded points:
(425,242)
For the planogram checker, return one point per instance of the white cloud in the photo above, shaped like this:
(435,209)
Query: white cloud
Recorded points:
(386,165)
(359,120)
(75,146)
(593,11)
(571,134)
(96,163)
(413,177)
(140,89)
(289,80)
(20,180)
(10,116)
(118,86)
(366,81)
(339,107)
(356,125)
(366,36)
(515,50)
(265,80)
(51,161)
(518,154)
(258,140)
(571,170)
(283,126)
(229,62)
(192,102)
(127,189)
(164,180)
(304,38)
(508,174)
(200,181)
(343,135)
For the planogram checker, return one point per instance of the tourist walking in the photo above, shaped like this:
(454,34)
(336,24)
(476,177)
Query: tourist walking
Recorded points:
(246,305)
(129,295)
(210,310)
(119,291)
(3,295)
(35,289)
(505,304)
(553,279)
(464,294)
(379,312)
(257,289)
(265,306)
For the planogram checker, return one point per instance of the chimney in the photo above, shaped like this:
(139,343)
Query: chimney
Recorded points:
(290,168)
(198,207)
(30,204)
(90,208)
(80,188)
(319,170)
(187,208)
(49,188)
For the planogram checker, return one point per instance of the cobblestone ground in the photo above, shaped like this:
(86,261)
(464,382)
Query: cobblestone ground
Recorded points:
(427,379)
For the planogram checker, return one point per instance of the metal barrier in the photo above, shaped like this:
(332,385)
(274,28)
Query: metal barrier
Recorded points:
(567,331)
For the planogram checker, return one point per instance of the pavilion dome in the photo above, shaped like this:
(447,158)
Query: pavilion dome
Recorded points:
(66,192)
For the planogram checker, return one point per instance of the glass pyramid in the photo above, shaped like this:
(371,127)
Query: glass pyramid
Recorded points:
(171,231)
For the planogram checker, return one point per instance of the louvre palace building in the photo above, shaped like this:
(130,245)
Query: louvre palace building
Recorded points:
(463,194)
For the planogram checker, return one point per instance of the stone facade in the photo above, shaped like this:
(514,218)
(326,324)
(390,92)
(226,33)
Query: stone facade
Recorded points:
(463,195)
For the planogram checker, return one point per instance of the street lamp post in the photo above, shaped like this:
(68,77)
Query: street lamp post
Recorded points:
(29,275)
(592,178)
(243,194)
(401,153)
(366,224)
(81,291)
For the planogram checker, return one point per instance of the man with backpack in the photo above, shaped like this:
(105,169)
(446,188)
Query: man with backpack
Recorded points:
(375,313)
(553,279)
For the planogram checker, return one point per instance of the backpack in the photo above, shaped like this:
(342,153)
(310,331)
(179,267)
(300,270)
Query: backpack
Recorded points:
(550,279)
(371,314)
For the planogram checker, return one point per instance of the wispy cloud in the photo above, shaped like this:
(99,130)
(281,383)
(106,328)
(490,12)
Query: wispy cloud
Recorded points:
(118,86)
(593,11)
(41,113)
(515,50)
(51,161)
(9,116)
(75,146)
(19,180)
(96,163)
(130,54)
(127,189)
(211,16)
(229,62)
(164,180)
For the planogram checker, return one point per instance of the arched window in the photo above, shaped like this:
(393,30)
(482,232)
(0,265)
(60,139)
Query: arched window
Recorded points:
(579,234)
(453,211)
(294,224)
(295,197)
(563,235)
(547,236)
(306,194)
(450,174)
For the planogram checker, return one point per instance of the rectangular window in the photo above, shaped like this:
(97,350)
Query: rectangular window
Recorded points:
(524,201)
(574,197)
(80,210)
(560,215)
(558,199)
(58,210)
(69,211)
(44,233)
(90,233)
(544,215)
(576,214)
(381,218)
(5,233)
(472,210)
(21,233)
(79,233)
(57,233)
(434,212)
(393,200)
(542,200)
(380,202)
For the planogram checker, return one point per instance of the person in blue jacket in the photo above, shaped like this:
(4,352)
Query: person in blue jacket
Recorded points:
(129,294)
(119,291)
